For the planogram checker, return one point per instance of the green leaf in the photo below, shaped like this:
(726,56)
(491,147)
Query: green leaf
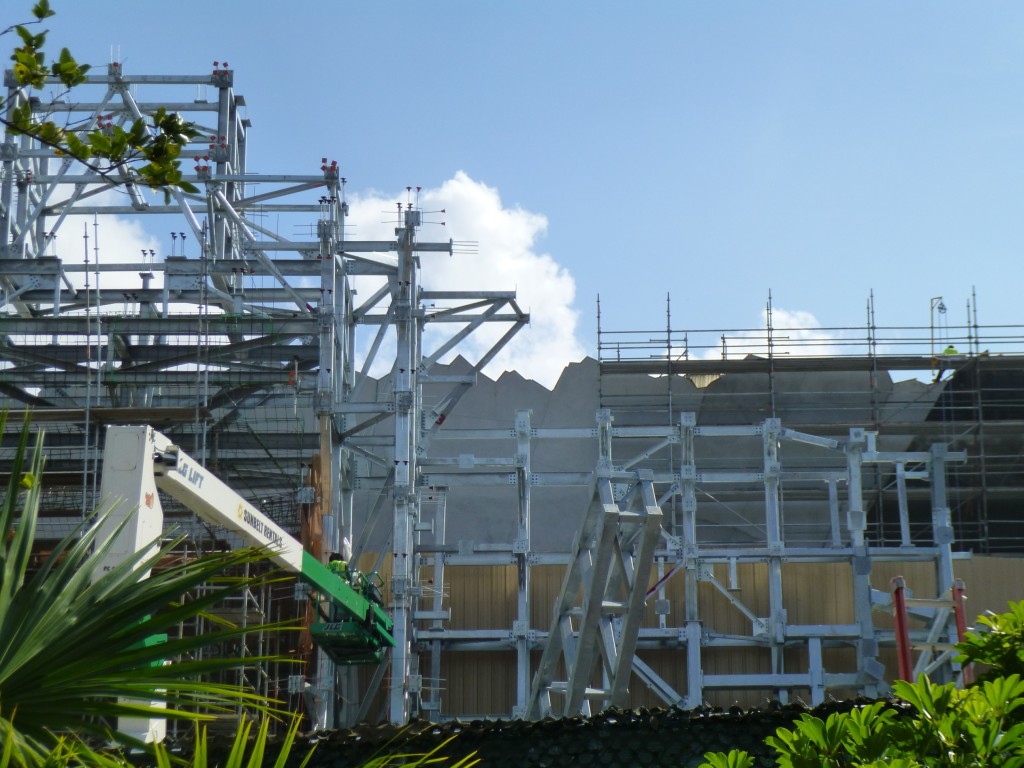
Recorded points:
(41,10)
(77,148)
(68,70)
(50,133)
(28,67)
(735,758)
(100,143)
(27,38)
(999,643)
(870,731)
(929,699)
(1003,694)
(20,118)
(137,134)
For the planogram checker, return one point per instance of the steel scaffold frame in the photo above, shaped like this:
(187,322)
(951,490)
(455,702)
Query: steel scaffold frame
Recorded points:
(593,632)
(260,317)
(256,319)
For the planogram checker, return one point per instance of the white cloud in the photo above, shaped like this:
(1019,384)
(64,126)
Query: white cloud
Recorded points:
(795,333)
(506,256)
(111,239)
(799,333)
(507,259)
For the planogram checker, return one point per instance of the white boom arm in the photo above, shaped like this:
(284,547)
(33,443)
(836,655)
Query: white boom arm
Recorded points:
(138,460)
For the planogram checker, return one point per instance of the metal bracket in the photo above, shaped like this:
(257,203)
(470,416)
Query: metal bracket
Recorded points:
(219,153)
(223,78)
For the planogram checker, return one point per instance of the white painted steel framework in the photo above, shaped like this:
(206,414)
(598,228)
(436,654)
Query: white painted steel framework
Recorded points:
(242,344)
(242,341)
(601,603)
(596,622)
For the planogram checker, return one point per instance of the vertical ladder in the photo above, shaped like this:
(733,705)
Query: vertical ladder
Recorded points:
(430,615)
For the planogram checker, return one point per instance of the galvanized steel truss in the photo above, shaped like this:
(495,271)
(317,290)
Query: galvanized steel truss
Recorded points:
(588,654)
(216,333)
(253,317)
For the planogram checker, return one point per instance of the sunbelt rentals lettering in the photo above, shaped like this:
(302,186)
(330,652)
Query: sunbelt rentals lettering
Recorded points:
(263,530)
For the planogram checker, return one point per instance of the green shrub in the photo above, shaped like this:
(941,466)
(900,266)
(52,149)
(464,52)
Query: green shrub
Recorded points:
(928,724)
(1001,647)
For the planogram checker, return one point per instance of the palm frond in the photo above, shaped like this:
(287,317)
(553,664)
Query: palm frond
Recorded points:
(76,642)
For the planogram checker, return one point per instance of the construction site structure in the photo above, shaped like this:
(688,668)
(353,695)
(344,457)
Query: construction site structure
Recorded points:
(692,516)
(238,318)
(138,462)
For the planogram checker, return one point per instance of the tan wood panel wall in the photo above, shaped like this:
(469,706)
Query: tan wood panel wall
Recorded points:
(485,597)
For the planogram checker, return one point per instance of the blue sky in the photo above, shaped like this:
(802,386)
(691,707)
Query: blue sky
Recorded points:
(713,150)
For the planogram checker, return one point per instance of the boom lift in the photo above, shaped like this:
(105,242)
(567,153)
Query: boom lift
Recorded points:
(138,460)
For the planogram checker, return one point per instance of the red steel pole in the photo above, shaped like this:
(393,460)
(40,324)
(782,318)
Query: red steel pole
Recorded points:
(899,612)
(960,612)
